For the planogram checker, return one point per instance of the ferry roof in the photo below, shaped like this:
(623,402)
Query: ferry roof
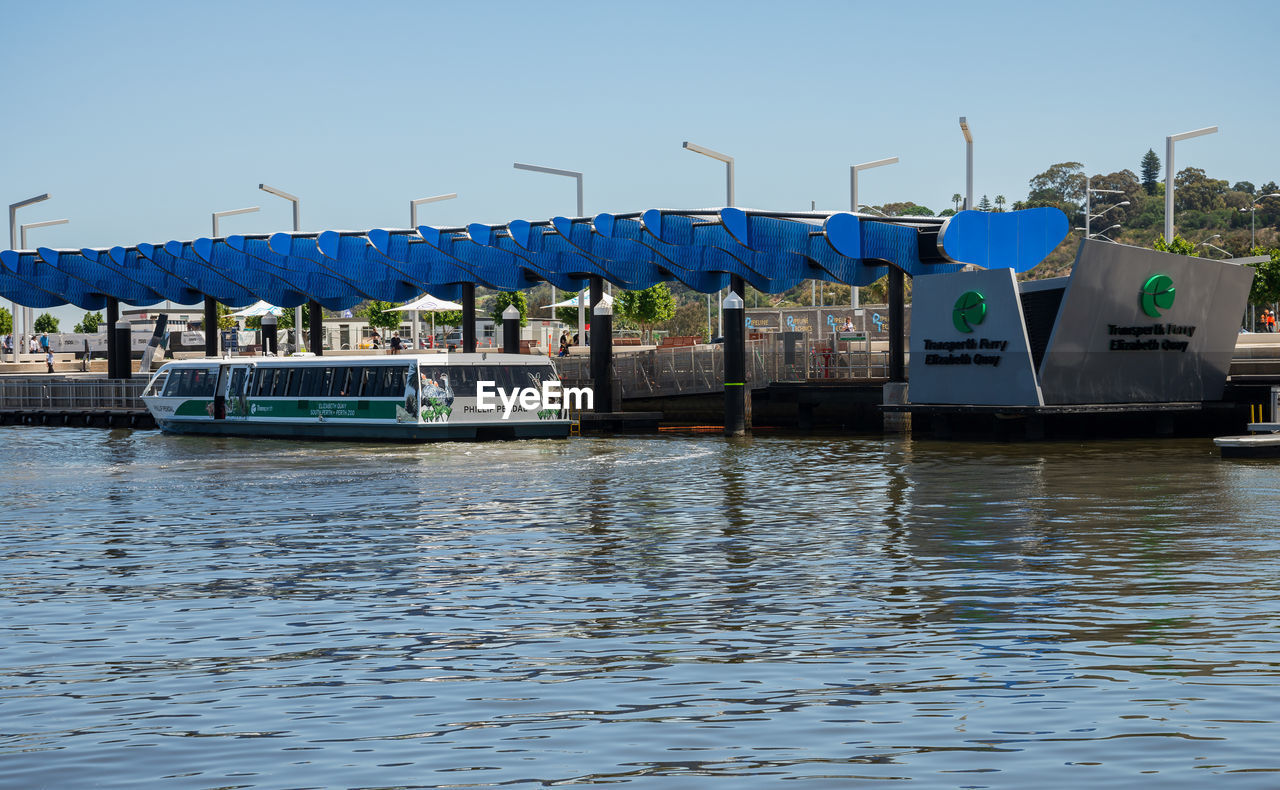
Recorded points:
(773,251)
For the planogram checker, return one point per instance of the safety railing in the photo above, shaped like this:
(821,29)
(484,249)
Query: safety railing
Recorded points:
(19,393)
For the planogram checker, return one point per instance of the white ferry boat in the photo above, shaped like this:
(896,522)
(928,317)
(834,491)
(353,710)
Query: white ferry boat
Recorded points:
(408,398)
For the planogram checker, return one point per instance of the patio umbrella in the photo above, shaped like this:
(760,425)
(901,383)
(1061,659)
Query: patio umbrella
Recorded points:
(257,310)
(430,304)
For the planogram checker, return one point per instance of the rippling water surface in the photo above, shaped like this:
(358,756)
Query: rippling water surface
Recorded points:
(657,612)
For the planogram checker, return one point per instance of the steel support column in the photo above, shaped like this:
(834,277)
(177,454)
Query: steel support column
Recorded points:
(897,328)
(469,318)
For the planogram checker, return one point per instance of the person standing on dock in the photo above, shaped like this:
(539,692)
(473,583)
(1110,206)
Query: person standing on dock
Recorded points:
(48,359)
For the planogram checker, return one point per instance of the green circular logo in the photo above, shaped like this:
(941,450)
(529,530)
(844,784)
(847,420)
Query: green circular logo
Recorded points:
(1157,294)
(970,310)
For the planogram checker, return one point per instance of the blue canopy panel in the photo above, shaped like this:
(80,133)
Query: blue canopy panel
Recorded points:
(444,275)
(103,279)
(129,263)
(442,242)
(31,269)
(194,272)
(261,280)
(304,249)
(546,266)
(553,251)
(233,292)
(807,238)
(1017,240)
(765,271)
(675,229)
(331,292)
(17,288)
(495,244)
(628,268)
(679,262)
(356,254)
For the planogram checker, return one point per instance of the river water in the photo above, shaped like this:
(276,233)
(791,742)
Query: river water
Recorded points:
(183,612)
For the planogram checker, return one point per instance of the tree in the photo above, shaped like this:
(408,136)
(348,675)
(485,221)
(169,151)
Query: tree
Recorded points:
(1179,246)
(89,324)
(1061,186)
(1198,192)
(504,299)
(46,324)
(984,204)
(285,321)
(1000,201)
(6,321)
(906,209)
(1243,186)
(1150,171)
(1266,279)
(955,200)
(381,316)
(690,319)
(648,307)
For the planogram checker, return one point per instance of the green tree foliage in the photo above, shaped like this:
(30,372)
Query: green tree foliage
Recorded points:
(1150,171)
(947,212)
(689,320)
(285,321)
(381,316)
(1130,189)
(1061,186)
(46,323)
(1266,278)
(906,209)
(648,307)
(1198,192)
(503,299)
(6,321)
(1179,246)
(89,324)
(1243,186)
(955,201)
(1000,202)
(984,204)
(225,320)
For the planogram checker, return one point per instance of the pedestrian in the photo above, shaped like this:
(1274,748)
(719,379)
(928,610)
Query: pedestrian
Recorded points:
(48,359)
(564,343)
(395,344)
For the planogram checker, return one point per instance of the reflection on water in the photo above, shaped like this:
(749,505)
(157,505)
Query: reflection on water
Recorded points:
(204,612)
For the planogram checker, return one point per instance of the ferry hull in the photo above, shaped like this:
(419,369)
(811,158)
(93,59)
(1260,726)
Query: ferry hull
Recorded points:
(458,432)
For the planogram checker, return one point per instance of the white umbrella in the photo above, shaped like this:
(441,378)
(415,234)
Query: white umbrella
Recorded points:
(606,298)
(258,310)
(427,303)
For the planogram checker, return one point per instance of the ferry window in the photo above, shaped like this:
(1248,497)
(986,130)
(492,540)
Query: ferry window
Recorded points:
(175,383)
(394,382)
(266,381)
(376,385)
(307,382)
(360,381)
(290,389)
(201,383)
(236,387)
(462,378)
(341,382)
(157,386)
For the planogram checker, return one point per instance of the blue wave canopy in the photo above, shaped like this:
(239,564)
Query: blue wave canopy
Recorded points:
(773,251)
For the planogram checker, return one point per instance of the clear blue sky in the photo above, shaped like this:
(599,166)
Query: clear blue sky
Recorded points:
(142,118)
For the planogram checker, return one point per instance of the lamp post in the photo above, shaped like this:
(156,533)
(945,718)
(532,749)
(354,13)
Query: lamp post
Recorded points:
(413,225)
(1099,233)
(211,329)
(574,174)
(13,243)
(1168,175)
(1088,203)
(29,319)
(968,162)
(297,225)
(736,283)
(853,204)
(1253,208)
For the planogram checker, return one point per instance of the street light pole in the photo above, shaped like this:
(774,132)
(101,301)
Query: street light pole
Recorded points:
(853,204)
(29,319)
(413,206)
(297,225)
(574,174)
(1168,175)
(1088,203)
(212,335)
(968,162)
(736,283)
(13,244)
(1253,209)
